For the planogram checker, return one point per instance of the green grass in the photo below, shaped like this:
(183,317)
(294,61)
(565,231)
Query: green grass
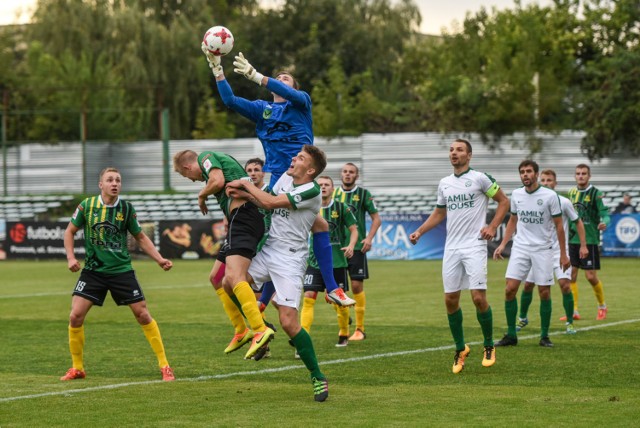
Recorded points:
(400,376)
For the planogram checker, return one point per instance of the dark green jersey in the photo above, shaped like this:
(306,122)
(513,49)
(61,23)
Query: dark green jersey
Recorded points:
(105,234)
(339,217)
(231,170)
(592,211)
(267,219)
(361,202)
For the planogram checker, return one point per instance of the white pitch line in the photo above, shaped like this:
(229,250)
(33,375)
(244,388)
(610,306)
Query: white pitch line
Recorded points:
(287,368)
(65,293)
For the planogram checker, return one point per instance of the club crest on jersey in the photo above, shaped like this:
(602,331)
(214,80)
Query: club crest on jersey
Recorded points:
(467,183)
(356,198)
(266,113)
(119,217)
(334,214)
(539,202)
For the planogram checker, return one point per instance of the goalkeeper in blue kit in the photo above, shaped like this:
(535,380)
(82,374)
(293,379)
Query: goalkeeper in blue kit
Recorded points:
(283,126)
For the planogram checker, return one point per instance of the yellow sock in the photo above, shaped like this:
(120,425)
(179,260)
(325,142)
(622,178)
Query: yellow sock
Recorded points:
(343,319)
(361,302)
(306,315)
(599,292)
(152,333)
(76,346)
(232,311)
(574,290)
(247,299)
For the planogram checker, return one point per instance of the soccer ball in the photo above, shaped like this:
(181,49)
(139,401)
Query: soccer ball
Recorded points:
(218,40)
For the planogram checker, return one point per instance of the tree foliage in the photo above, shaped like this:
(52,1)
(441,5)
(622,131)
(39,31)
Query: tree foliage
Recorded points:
(572,64)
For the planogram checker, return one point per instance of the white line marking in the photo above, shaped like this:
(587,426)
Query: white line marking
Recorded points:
(68,293)
(287,368)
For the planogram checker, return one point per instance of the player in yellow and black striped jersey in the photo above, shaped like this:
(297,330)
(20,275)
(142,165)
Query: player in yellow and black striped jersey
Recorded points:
(587,200)
(361,202)
(106,220)
(343,236)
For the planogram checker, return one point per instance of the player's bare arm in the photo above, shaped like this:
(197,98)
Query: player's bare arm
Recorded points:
(489,232)
(259,197)
(376,222)
(508,233)
(582,235)
(148,247)
(72,263)
(564,259)
(353,240)
(213,186)
(436,217)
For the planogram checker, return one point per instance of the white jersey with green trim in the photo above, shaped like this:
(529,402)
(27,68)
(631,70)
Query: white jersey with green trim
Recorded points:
(568,214)
(289,231)
(466,198)
(535,229)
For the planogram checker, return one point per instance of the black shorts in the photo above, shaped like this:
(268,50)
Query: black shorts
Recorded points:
(246,228)
(222,253)
(313,279)
(124,287)
(592,262)
(358,267)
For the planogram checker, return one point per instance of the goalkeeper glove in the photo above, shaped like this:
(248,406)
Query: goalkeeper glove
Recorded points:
(213,60)
(243,67)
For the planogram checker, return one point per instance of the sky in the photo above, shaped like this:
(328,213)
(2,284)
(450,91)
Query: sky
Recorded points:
(436,14)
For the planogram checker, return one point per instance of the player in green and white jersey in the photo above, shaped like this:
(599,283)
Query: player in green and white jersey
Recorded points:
(463,199)
(343,232)
(295,201)
(106,220)
(587,200)
(535,210)
(361,202)
(246,229)
(569,214)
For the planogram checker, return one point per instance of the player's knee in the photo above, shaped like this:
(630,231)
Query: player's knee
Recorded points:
(76,319)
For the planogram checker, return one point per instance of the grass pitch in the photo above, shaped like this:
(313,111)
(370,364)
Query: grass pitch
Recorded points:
(399,376)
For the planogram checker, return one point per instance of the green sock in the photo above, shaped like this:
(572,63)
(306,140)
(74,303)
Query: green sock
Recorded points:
(455,324)
(304,346)
(510,310)
(525,302)
(545,317)
(486,324)
(235,300)
(567,303)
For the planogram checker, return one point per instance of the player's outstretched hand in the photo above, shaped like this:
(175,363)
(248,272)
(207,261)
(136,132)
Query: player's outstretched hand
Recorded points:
(243,67)
(165,264)
(213,60)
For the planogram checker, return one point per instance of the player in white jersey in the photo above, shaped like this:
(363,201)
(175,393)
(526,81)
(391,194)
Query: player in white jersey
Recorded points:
(548,179)
(463,200)
(295,201)
(535,210)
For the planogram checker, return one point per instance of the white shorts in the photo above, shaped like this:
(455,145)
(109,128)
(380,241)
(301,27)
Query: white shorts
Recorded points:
(464,269)
(557,270)
(538,264)
(286,271)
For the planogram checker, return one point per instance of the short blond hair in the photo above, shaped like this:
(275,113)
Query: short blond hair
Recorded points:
(108,169)
(183,157)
